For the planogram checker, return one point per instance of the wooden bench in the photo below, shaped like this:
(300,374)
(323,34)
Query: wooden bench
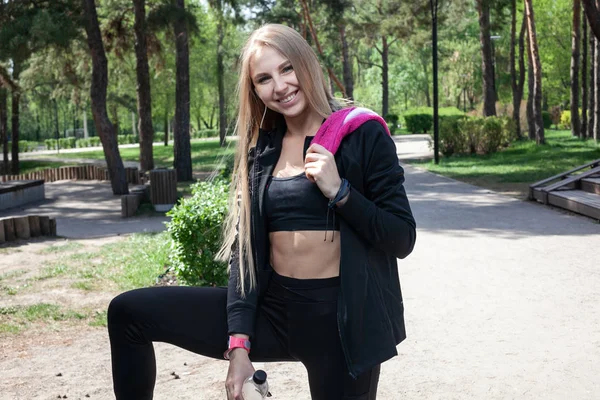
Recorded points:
(16,193)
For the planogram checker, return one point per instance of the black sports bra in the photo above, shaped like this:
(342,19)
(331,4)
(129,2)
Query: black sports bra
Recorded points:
(296,204)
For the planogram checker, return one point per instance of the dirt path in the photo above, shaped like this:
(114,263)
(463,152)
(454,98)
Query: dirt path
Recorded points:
(501,300)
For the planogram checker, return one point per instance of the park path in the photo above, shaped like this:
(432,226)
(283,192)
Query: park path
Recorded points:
(501,301)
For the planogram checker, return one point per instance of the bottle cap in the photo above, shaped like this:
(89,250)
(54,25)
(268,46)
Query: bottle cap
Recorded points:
(259,377)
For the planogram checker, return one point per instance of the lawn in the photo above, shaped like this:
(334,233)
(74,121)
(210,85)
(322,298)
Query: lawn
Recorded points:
(513,169)
(28,166)
(207,155)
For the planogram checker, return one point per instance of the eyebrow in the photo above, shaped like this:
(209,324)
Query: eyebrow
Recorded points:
(261,74)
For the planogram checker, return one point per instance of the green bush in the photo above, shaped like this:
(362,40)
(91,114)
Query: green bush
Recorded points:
(159,137)
(452,140)
(565,120)
(127,139)
(195,230)
(471,128)
(492,135)
(417,123)
(392,122)
(205,133)
(95,141)
(547,119)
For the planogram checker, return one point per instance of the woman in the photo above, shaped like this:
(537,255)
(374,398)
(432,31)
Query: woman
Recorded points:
(319,228)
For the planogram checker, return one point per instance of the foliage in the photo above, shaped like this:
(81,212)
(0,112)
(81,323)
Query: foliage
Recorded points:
(392,122)
(195,230)
(565,120)
(420,119)
(452,139)
(547,118)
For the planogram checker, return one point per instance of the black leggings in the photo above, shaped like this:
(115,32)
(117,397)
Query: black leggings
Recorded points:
(296,321)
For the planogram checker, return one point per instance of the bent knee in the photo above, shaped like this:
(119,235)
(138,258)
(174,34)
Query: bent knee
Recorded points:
(121,308)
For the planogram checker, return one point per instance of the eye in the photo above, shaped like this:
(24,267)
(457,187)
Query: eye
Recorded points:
(287,68)
(262,79)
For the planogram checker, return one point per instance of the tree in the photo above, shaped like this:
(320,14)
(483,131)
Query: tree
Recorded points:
(592,10)
(144,98)
(517,81)
(575,122)
(104,127)
(596,109)
(537,119)
(181,134)
(584,85)
(593,86)
(489,96)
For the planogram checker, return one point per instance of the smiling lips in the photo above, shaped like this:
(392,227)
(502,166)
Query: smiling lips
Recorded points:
(288,98)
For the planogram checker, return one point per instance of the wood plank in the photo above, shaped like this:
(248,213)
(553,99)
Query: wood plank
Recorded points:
(572,179)
(591,185)
(577,201)
(592,164)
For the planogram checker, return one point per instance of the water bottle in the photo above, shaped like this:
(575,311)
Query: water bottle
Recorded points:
(256,386)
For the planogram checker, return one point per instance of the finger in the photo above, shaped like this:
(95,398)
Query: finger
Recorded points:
(317,148)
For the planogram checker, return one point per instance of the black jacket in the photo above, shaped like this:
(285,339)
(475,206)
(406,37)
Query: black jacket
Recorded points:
(376,228)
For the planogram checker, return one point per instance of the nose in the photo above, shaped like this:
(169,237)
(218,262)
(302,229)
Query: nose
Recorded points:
(280,85)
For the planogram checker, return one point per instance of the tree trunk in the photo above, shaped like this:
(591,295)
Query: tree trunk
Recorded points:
(144,97)
(166,122)
(313,33)
(221,81)
(487,68)
(385,82)
(584,86)
(86,133)
(4,129)
(530,94)
(16,100)
(517,80)
(537,74)
(596,130)
(346,64)
(593,87)
(575,122)
(181,134)
(104,127)
(592,10)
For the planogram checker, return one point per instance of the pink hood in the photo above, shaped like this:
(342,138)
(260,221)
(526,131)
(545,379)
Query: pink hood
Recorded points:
(341,123)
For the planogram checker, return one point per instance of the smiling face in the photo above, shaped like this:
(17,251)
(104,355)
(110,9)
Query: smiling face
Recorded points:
(276,84)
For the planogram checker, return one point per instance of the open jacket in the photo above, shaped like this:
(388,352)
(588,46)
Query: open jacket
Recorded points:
(376,228)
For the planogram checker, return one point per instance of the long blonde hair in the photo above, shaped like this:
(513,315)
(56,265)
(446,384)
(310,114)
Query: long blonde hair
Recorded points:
(253,115)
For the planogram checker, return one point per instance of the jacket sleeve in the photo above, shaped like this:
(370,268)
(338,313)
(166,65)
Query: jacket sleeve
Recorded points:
(241,310)
(381,214)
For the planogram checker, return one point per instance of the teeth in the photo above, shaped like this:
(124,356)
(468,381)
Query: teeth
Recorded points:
(288,99)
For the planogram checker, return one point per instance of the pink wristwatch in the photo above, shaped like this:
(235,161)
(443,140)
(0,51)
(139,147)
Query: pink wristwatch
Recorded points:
(234,343)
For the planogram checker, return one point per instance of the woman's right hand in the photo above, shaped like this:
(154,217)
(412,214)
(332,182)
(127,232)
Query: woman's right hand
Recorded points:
(240,368)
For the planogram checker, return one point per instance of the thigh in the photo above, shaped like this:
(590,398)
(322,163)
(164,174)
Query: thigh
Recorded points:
(194,318)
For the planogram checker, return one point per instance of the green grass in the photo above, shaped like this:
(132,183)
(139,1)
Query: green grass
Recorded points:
(62,248)
(27,166)
(206,155)
(17,318)
(521,164)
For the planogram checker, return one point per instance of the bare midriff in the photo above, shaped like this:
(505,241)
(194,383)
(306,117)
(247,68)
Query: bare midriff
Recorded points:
(305,254)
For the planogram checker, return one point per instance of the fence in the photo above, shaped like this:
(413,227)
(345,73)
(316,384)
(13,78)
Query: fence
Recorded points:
(80,172)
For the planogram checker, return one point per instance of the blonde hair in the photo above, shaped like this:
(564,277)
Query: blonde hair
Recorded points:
(251,114)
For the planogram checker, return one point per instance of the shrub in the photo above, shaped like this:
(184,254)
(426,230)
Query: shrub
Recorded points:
(95,141)
(127,139)
(555,114)
(471,128)
(565,120)
(452,139)
(547,119)
(159,137)
(492,135)
(509,130)
(416,123)
(195,230)
(392,122)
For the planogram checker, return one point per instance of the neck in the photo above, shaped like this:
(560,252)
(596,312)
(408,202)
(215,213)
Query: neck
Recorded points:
(304,125)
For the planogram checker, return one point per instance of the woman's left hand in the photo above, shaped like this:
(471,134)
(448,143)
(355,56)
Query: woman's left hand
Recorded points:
(320,168)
